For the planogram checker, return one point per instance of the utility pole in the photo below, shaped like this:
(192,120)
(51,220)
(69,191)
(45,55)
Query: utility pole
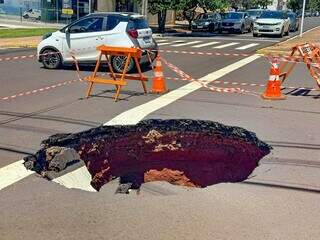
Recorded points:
(144,10)
(90,2)
(302,17)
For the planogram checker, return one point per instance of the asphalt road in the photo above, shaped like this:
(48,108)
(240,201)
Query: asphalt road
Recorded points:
(279,201)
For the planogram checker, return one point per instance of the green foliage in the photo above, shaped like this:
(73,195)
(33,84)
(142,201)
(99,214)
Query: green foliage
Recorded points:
(261,3)
(295,5)
(314,5)
(24,32)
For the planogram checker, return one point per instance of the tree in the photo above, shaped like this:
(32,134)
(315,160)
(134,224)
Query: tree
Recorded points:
(314,5)
(160,7)
(295,5)
(262,3)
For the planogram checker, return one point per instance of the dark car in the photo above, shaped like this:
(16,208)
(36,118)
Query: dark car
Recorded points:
(294,21)
(236,22)
(207,21)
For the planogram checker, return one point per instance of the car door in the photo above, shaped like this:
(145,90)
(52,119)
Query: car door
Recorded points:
(247,21)
(82,37)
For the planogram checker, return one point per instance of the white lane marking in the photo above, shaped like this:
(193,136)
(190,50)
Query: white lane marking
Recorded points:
(226,45)
(79,179)
(205,44)
(135,115)
(184,44)
(161,40)
(132,116)
(167,43)
(12,173)
(247,46)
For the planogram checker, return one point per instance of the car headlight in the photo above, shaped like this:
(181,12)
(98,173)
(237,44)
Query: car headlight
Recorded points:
(46,36)
(206,23)
(279,23)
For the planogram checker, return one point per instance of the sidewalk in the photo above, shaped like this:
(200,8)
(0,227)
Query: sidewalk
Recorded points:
(15,23)
(284,48)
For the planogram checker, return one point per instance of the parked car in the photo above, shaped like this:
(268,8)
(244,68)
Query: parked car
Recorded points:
(2,12)
(207,21)
(272,23)
(236,22)
(308,14)
(294,21)
(32,13)
(85,34)
(254,13)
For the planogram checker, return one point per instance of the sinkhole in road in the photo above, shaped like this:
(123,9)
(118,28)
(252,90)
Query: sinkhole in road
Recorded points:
(184,152)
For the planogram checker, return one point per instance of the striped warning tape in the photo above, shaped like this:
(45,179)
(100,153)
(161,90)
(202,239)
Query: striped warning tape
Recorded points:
(242,84)
(205,83)
(39,90)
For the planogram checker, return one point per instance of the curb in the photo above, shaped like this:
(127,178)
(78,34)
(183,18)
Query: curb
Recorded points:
(20,46)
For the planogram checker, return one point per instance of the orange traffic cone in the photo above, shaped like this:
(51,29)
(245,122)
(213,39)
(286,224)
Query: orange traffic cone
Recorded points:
(158,82)
(273,90)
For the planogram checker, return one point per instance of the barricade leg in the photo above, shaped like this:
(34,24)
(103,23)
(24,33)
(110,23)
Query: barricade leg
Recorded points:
(141,75)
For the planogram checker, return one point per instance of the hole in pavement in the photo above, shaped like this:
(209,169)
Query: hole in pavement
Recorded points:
(183,152)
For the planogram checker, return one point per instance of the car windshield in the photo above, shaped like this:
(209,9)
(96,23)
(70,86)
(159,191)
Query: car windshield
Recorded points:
(232,15)
(204,16)
(291,15)
(272,14)
(254,13)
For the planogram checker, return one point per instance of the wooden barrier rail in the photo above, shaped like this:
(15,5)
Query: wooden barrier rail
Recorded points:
(117,79)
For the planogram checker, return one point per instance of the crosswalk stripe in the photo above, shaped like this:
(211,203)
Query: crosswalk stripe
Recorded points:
(205,44)
(226,45)
(167,43)
(247,46)
(184,44)
(161,40)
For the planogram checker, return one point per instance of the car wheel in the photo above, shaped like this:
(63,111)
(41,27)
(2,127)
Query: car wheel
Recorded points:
(220,30)
(51,59)
(118,63)
(287,32)
(242,29)
(211,28)
(282,32)
(251,28)
(255,34)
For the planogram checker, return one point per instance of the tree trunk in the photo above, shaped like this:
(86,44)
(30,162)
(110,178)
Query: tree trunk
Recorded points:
(162,15)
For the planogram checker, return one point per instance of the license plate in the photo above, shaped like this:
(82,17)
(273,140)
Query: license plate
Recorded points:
(199,26)
(146,39)
(266,27)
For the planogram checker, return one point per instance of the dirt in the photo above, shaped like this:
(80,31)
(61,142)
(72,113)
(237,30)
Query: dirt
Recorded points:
(182,152)
(20,42)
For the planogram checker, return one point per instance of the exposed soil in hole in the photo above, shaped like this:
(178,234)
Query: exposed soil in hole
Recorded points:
(182,152)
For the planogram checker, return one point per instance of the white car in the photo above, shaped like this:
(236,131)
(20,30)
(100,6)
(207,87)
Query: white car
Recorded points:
(81,38)
(272,23)
(32,13)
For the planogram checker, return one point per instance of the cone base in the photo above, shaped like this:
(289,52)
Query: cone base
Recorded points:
(280,97)
(159,91)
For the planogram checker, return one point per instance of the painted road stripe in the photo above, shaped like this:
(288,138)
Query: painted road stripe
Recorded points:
(226,45)
(205,44)
(161,40)
(16,171)
(12,173)
(247,46)
(184,44)
(167,43)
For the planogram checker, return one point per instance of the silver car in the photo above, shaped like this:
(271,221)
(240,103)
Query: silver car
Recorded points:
(236,22)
